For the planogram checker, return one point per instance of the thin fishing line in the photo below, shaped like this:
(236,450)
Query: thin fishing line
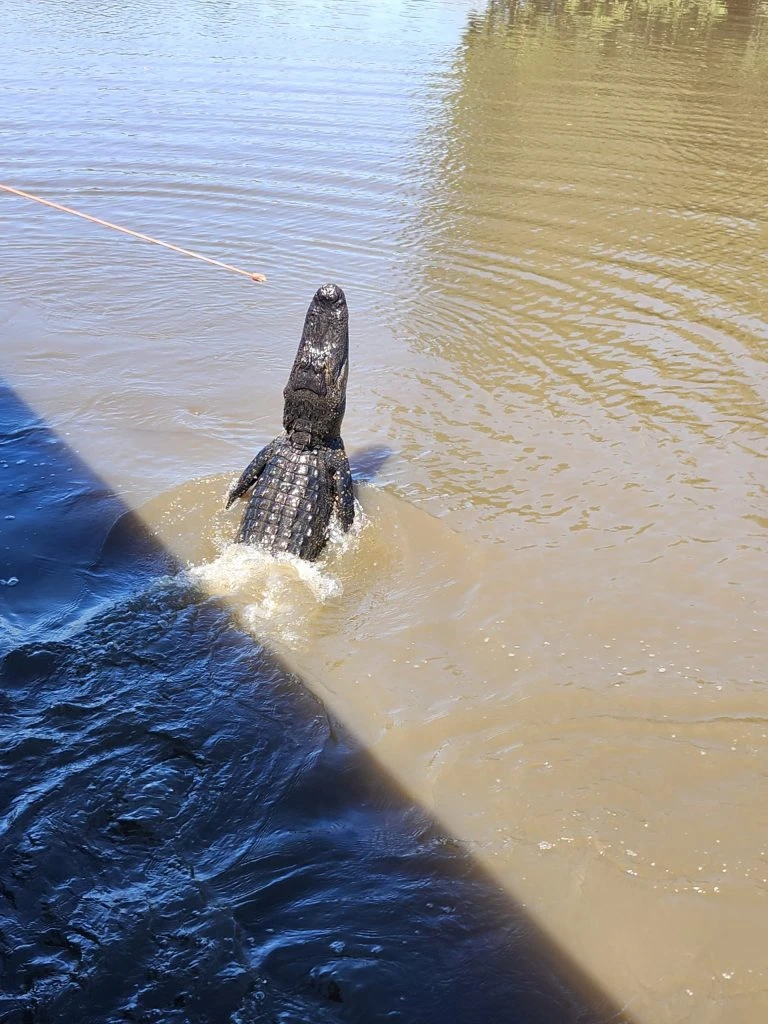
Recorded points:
(134,234)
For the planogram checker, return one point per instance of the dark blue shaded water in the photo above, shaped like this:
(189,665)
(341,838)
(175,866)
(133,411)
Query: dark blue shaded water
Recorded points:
(185,834)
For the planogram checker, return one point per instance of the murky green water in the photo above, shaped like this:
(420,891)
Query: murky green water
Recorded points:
(550,224)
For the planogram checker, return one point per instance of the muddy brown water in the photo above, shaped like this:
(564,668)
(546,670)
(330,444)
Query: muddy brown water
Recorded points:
(550,223)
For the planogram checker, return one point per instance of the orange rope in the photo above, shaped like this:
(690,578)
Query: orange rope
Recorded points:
(135,234)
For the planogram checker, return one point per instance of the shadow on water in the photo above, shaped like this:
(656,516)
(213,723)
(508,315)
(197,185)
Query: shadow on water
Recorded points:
(185,834)
(367,463)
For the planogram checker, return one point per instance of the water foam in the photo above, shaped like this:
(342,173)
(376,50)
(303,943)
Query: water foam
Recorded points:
(276,593)
(240,568)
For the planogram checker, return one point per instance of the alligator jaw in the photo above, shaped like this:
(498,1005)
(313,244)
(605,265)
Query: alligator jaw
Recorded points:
(316,392)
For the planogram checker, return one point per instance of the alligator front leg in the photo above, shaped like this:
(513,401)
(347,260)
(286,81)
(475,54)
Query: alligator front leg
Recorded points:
(250,474)
(344,499)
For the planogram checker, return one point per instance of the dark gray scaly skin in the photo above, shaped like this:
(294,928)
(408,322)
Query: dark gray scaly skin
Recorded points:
(302,478)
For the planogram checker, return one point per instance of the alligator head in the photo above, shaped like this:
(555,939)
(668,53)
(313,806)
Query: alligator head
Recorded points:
(316,392)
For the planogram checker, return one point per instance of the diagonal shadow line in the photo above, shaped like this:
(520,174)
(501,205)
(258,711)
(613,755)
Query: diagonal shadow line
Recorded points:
(185,835)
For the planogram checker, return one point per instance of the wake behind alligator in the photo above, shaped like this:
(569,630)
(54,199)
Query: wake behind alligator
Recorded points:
(302,479)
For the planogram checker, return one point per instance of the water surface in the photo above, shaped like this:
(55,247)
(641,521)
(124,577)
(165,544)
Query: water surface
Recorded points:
(549,221)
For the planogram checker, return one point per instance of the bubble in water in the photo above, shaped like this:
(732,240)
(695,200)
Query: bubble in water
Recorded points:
(10,582)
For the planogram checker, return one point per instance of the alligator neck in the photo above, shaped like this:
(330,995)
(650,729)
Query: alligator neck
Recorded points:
(304,435)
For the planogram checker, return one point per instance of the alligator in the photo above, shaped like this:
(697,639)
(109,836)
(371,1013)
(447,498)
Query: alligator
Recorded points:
(302,478)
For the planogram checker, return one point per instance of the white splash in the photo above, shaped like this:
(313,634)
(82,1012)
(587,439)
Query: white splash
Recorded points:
(244,569)
(277,594)
(340,542)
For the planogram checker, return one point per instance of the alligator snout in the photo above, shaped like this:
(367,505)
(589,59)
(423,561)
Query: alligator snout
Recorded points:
(330,293)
